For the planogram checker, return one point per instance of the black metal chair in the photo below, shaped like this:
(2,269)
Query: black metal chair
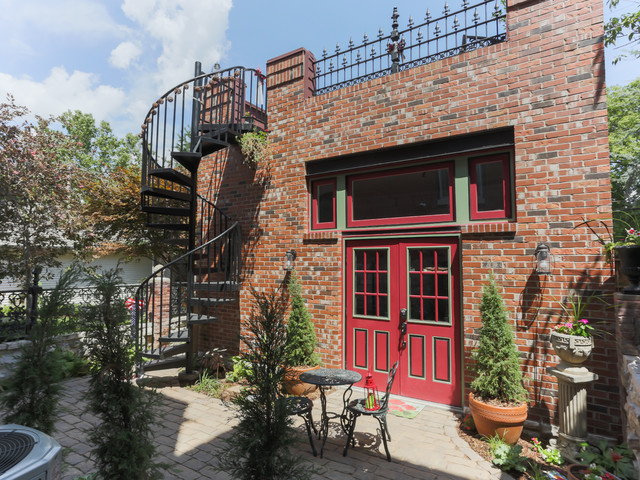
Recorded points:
(302,406)
(355,408)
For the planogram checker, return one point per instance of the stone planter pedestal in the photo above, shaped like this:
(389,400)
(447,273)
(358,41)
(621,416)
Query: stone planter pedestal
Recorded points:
(572,407)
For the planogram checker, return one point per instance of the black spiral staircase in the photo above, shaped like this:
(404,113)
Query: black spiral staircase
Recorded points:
(196,118)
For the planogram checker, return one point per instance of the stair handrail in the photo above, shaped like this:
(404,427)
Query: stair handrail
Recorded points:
(142,303)
(247,106)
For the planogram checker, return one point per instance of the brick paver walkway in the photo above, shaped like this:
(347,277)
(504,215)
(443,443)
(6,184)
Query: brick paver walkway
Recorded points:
(194,426)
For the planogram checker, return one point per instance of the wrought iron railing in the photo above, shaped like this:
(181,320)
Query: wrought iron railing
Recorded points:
(19,308)
(473,26)
(231,100)
(188,290)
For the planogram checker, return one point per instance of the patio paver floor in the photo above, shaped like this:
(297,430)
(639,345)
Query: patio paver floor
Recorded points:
(194,426)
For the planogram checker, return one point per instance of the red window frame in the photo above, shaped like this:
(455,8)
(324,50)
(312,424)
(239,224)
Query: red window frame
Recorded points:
(446,217)
(505,211)
(315,185)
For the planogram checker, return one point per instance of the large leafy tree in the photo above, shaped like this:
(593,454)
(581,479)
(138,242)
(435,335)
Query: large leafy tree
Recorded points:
(623,31)
(113,221)
(624,146)
(40,198)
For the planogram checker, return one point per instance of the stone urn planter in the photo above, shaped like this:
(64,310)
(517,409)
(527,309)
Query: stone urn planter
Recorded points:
(504,421)
(629,257)
(573,350)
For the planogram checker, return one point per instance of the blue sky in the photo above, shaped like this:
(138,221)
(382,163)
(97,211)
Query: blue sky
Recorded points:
(113,58)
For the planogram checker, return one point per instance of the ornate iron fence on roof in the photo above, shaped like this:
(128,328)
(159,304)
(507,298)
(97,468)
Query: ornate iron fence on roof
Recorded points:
(473,26)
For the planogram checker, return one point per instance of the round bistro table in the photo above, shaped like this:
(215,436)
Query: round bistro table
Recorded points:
(330,377)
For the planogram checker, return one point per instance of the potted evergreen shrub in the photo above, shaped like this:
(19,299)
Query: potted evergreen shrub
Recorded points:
(301,355)
(498,398)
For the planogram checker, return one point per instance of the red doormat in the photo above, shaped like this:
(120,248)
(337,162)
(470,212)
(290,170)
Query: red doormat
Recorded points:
(400,408)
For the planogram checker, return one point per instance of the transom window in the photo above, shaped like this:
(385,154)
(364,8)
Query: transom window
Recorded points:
(416,195)
(457,190)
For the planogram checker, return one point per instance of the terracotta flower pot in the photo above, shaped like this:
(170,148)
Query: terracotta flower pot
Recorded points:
(490,420)
(572,349)
(292,383)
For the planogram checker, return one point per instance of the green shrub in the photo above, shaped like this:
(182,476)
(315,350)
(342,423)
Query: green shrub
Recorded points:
(259,446)
(123,438)
(617,459)
(497,365)
(32,391)
(507,457)
(240,371)
(208,385)
(301,335)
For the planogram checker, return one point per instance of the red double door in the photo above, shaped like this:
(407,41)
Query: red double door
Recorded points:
(402,304)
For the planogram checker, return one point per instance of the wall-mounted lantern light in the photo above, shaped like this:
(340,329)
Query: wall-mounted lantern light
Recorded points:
(543,258)
(289,259)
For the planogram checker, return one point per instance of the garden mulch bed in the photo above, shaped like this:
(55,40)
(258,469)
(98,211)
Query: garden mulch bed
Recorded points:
(481,447)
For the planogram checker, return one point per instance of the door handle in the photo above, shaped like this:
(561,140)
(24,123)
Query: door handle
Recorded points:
(403,328)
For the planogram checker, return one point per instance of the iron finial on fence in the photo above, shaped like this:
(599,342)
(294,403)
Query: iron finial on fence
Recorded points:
(393,46)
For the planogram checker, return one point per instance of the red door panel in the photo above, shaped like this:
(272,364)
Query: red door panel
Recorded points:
(410,281)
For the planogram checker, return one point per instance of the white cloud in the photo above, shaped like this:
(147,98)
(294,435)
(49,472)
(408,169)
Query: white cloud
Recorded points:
(62,91)
(89,19)
(124,54)
(186,30)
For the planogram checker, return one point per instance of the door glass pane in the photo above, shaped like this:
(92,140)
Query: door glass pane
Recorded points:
(428,284)
(359,310)
(359,284)
(428,263)
(382,283)
(443,285)
(414,309)
(428,309)
(359,260)
(414,260)
(382,260)
(443,259)
(371,305)
(371,260)
(414,284)
(371,282)
(383,312)
(443,310)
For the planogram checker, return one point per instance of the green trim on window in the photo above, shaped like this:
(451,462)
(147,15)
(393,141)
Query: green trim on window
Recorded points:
(341,202)
(461,190)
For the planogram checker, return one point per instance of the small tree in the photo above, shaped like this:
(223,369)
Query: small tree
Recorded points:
(32,390)
(497,367)
(258,448)
(40,197)
(301,335)
(123,439)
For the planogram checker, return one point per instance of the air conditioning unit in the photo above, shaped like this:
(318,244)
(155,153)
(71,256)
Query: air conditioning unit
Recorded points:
(27,454)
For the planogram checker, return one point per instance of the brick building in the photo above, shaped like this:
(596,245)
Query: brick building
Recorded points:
(402,188)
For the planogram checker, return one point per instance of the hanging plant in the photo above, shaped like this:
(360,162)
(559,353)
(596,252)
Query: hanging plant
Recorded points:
(256,148)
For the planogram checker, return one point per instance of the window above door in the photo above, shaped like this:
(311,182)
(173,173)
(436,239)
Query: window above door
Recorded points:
(450,191)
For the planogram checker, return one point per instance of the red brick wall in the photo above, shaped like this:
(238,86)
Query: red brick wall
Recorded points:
(547,82)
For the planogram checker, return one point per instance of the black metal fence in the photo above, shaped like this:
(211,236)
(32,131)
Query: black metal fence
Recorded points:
(19,308)
(472,26)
